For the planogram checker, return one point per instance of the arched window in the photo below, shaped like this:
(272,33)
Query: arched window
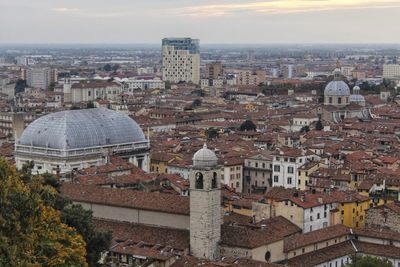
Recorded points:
(214,180)
(267,256)
(199,181)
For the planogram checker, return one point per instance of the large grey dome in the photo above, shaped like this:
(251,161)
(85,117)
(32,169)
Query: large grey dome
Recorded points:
(74,129)
(337,88)
(205,158)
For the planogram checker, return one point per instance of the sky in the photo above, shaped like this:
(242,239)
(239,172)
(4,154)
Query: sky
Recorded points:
(211,21)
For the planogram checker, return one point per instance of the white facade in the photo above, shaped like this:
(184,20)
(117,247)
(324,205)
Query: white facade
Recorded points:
(285,170)
(132,84)
(181,62)
(391,71)
(38,77)
(90,91)
(232,176)
(317,217)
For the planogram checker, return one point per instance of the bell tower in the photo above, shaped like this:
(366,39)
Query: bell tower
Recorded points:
(205,205)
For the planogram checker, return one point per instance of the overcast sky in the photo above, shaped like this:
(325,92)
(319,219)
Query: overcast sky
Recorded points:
(217,21)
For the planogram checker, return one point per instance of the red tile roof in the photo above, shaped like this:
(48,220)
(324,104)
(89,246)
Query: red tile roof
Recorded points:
(167,203)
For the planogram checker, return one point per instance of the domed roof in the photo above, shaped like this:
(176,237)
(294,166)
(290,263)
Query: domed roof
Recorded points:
(205,158)
(357,98)
(356,87)
(337,88)
(83,128)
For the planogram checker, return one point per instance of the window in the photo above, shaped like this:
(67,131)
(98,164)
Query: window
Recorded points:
(311,219)
(268,256)
(256,164)
(330,100)
(289,180)
(199,181)
(276,178)
(303,250)
(277,168)
(214,180)
(318,217)
(290,170)
(293,160)
(339,100)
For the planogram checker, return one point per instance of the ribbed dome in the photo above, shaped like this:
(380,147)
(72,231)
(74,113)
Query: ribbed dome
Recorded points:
(357,98)
(74,129)
(337,88)
(205,158)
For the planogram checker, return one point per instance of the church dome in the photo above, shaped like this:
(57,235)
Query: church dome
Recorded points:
(357,98)
(205,158)
(337,88)
(83,128)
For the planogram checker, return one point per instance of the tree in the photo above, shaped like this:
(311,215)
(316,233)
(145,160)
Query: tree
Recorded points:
(167,85)
(305,129)
(31,231)
(20,86)
(248,125)
(115,67)
(211,133)
(368,261)
(90,105)
(81,220)
(319,126)
(107,67)
(196,103)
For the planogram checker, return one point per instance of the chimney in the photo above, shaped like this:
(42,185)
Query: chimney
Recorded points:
(320,200)
(296,194)
(303,197)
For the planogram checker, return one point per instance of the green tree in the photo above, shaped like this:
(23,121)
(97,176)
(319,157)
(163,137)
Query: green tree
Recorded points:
(211,133)
(20,86)
(167,85)
(248,125)
(196,103)
(107,67)
(319,126)
(368,261)
(305,129)
(31,231)
(90,105)
(115,67)
(81,220)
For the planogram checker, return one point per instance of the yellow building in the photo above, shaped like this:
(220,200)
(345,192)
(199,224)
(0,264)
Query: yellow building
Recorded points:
(351,210)
(304,172)
(160,161)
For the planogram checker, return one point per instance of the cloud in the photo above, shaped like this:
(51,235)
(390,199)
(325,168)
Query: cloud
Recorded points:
(90,13)
(283,6)
(66,9)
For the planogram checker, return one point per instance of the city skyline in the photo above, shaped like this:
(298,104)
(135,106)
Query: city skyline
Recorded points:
(213,22)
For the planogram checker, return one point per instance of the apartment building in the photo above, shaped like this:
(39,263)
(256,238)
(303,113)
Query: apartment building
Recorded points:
(181,60)
(286,162)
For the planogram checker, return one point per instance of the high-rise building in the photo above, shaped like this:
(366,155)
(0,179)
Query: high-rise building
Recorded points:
(181,60)
(251,77)
(391,71)
(40,77)
(213,70)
